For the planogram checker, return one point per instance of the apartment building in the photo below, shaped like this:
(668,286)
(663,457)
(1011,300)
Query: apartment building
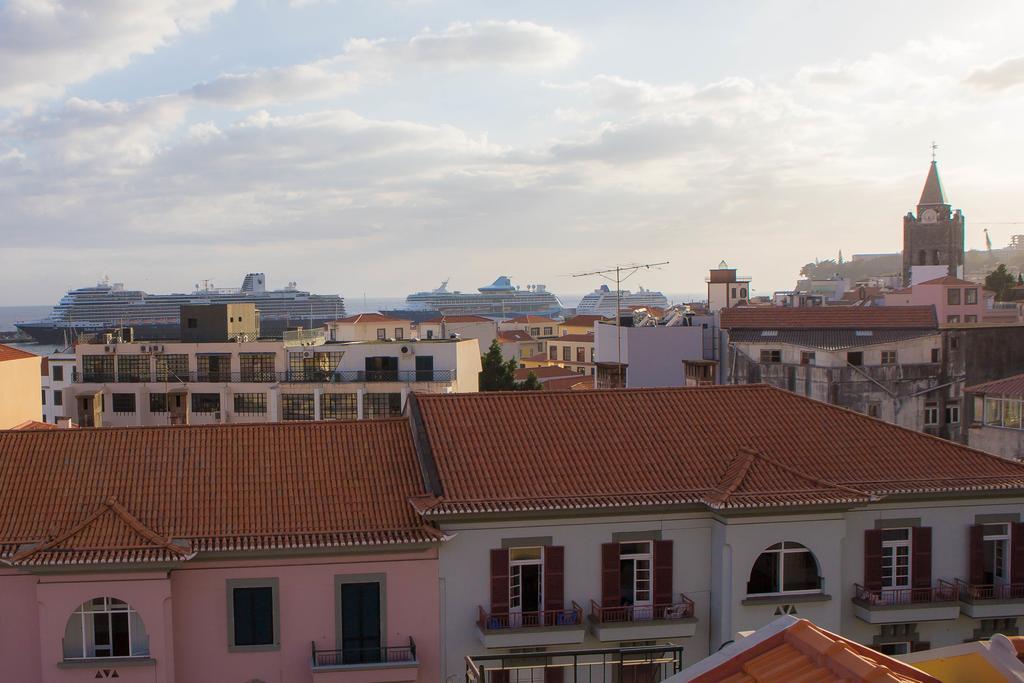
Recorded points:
(956,301)
(211,554)
(484,330)
(886,362)
(653,356)
(369,327)
(122,384)
(21,396)
(678,517)
(537,326)
(518,345)
(580,324)
(996,424)
(56,376)
(573,352)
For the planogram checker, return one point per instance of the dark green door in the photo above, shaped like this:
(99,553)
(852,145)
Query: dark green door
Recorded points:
(360,623)
(424,368)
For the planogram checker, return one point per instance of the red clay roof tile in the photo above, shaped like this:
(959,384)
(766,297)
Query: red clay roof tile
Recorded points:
(218,487)
(844,317)
(541,450)
(12,353)
(1012,386)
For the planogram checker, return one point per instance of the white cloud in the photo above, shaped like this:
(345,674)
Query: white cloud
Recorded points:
(323,79)
(1000,76)
(46,45)
(499,43)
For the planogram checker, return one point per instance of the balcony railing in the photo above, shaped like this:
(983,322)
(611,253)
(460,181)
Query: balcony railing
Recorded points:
(292,376)
(631,613)
(888,597)
(969,592)
(401,654)
(494,621)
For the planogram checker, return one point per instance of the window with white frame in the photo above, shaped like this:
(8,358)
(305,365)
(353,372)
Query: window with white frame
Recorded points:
(888,358)
(896,558)
(105,627)
(525,584)
(931,413)
(995,545)
(635,573)
(1003,412)
(785,567)
(953,414)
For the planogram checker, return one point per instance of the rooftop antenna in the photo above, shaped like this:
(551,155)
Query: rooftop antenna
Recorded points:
(631,269)
(934,147)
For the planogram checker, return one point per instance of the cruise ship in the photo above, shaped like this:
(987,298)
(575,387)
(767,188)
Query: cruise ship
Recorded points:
(602,301)
(156,316)
(500,298)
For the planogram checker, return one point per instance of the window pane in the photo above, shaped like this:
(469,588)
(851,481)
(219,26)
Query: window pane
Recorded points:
(73,645)
(119,634)
(1011,414)
(764,577)
(254,615)
(140,639)
(800,571)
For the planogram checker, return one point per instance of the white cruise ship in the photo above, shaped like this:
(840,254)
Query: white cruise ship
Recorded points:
(602,301)
(498,298)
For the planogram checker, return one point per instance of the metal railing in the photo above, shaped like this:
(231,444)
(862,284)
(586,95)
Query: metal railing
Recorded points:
(367,655)
(494,621)
(266,377)
(969,592)
(627,613)
(944,591)
(651,664)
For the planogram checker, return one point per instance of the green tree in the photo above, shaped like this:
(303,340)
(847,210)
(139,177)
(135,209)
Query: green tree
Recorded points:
(497,373)
(1001,282)
(531,383)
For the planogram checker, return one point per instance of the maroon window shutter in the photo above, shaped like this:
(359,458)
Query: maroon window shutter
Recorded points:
(499,581)
(873,559)
(555,674)
(977,556)
(611,594)
(1017,552)
(663,572)
(922,552)
(554,578)
(920,646)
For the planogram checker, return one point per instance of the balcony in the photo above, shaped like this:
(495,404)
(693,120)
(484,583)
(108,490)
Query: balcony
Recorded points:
(531,629)
(900,605)
(991,601)
(268,377)
(643,622)
(650,664)
(397,664)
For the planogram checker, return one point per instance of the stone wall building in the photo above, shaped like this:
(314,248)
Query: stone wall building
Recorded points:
(933,240)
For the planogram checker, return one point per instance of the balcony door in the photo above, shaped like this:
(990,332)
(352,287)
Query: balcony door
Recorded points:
(525,586)
(996,554)
(360,623)
(635,578)
(896,558)
(424,368)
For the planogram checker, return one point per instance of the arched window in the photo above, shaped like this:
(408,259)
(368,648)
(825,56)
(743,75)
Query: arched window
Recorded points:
(105,627)
(743,292)
(784,568)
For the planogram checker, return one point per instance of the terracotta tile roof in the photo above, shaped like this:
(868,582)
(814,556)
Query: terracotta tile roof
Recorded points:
(1012,386)
(805,652)
(583,320)
(531,319)
(828,339)
(546,372)
(697,446)
(514,336)
(370,318)
(121,494)
(949,280)
(588,337)
(35,424)
(577,382)
(537,358)
(11,353)
(459,319)
(844,317)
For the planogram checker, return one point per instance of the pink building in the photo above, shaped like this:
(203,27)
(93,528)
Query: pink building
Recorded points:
(257,552)
(956,301)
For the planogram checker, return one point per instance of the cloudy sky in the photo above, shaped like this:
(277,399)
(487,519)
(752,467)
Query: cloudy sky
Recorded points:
(380,146)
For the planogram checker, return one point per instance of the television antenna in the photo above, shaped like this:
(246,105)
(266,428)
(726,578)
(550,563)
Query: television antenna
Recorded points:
(629,269)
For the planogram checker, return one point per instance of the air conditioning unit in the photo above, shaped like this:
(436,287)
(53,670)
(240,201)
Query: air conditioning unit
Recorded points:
(406,349)
(108,349)
(307,354)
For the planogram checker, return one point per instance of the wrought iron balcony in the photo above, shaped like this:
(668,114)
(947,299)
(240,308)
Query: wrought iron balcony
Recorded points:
(990,601)
(682,609)
(897,605)
(354,657)
(267,377)
(649,663)
(493,621)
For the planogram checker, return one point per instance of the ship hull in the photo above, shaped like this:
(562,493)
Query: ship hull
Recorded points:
(48,334)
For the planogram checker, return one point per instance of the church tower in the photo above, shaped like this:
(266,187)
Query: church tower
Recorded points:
(933,240)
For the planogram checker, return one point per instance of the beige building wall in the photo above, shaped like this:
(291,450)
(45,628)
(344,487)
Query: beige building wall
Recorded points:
(20,391)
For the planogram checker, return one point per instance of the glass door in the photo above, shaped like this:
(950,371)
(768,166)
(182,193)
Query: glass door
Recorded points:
(360,623)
